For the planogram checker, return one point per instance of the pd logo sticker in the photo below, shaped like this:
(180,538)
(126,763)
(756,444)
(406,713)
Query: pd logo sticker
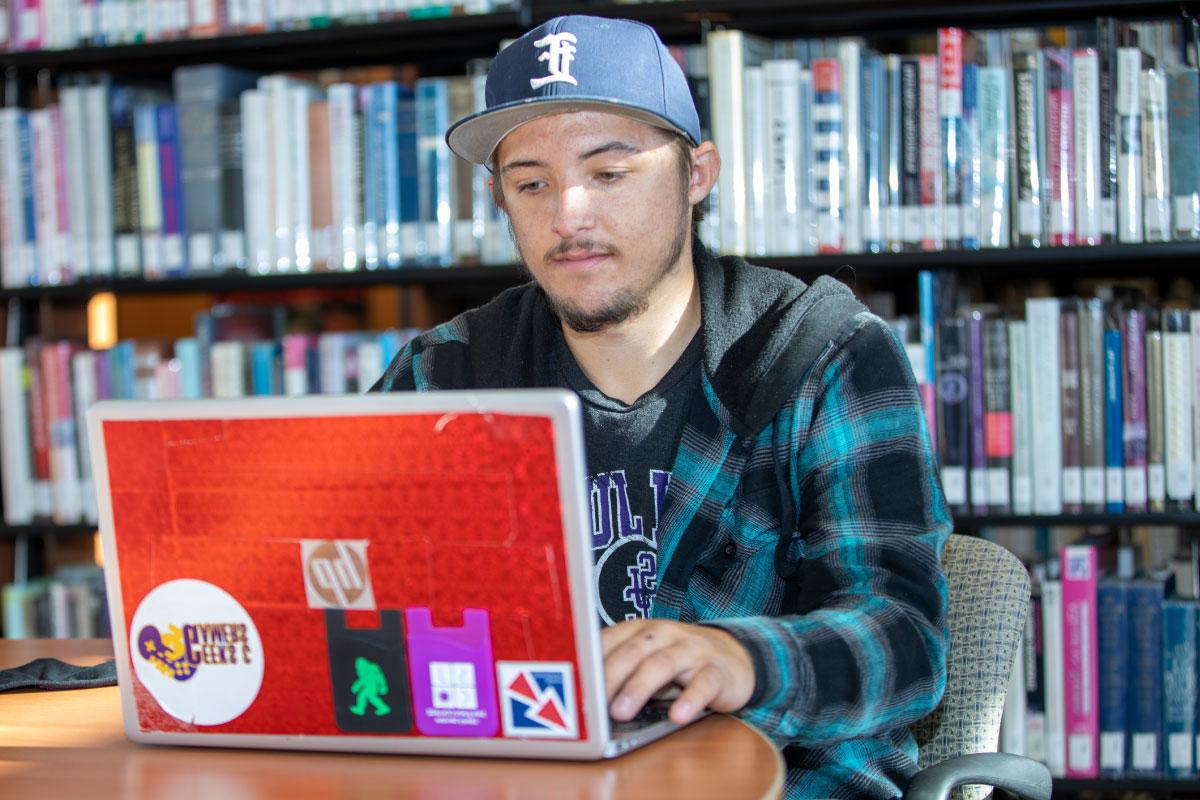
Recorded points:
(336,574)
(537,699)
(197,652)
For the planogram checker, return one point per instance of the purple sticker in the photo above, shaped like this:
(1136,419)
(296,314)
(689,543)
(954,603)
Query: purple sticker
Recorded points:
(453,677)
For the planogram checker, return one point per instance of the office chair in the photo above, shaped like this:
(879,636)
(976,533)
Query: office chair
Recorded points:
(989,599)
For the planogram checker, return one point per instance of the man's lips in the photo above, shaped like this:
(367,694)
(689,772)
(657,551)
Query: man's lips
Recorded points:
(579,261)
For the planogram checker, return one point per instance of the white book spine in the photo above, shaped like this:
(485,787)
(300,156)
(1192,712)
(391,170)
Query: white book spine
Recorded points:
(280,141)
(254,181)
(15,267)
(75,159)
(1042,315)
(726,86)
(1052,643)
(228,369)
(45,198)
(850,58)
(370,363)
(1178,391)
(84,389)
(1195,386)
(347,217)
(755,114)
(100,179)
(1086,89)
(783,154)
(299,98)
(1156,169)
(1022,455)
(16,456)
(331,348)
(1129,145)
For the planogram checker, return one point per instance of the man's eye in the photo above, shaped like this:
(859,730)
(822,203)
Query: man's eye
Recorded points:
(609,177)
(529,186)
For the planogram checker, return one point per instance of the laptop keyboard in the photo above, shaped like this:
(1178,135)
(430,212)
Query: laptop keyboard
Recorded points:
(654,711)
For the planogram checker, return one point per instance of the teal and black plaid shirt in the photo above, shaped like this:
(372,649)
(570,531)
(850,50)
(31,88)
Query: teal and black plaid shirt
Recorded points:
(846,622)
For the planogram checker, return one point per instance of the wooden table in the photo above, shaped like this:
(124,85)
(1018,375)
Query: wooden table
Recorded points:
(70,744)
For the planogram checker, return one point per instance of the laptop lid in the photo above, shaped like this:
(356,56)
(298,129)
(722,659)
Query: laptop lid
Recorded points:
(399,572)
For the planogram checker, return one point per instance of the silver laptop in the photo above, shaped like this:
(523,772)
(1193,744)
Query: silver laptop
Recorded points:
(401,573)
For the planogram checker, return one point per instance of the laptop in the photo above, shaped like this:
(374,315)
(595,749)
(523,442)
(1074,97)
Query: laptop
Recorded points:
(390,573)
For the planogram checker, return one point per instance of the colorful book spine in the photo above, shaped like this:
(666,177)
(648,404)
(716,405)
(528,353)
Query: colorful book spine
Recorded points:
(874,119)
(406,132)
(1129,145)
(950,96)
(1183,108)
(1113,678)
(1072,441)
(1081,695)
(977,405)
(953,411)
(998,419)
(1028,224)
(970,159)
(174,216)
(1114,414)
(1091,402)
(150,202)
(994,158)
(827,145)
(1134,430)
(434,173)
(1179,687)
(1060,146)
(1145,669)
(931,154)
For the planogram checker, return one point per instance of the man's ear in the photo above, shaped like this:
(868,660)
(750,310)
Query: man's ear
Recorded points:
(706,166)
(497,197)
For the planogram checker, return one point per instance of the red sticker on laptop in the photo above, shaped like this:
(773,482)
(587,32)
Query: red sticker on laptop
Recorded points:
(537,699)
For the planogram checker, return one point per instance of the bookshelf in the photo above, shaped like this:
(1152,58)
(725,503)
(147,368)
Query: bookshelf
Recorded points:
(443,46)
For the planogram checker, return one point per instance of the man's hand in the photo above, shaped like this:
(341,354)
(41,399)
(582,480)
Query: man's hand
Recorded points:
(641,657)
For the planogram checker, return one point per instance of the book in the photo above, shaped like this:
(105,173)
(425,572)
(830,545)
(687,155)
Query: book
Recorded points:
(1042,316)
(1028,217)
(1156,175)
(1146,598)
(874,119)
(1178,415)
(1179,686)
(1060,146)
(953,410)
(783,179)
(1135,423)
(1053,656)
(1113,678)
(756,160)
(1128,107)
(850,57)
(1081,692)
(994,159)
(932,212)
(950,43)
(1114,412)
(174,214)
(1183,125)
(1091,402)
(1070,413)
(998,421)
(829,155)
(978,472)
(1086,88)
(1156,480)
(1022,427)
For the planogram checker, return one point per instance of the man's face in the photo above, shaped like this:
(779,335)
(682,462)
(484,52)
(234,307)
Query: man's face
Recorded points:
(600,214)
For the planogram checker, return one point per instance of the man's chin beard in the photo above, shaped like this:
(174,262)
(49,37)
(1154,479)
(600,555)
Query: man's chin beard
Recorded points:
(619,309)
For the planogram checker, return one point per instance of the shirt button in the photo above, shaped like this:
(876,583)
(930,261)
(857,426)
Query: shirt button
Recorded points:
(730,550)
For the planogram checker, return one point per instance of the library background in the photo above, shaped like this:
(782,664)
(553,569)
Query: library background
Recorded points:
(240,197)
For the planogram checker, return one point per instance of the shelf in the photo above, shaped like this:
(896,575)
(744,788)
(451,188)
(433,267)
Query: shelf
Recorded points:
(987,265)
(43,528)
(1156,787)
(445,41)
(970,522)
(684,20)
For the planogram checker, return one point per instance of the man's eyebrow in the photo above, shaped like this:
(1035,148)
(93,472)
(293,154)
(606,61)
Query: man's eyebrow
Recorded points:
(608,147)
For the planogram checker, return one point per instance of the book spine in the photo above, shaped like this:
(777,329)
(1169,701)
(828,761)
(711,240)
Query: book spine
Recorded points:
(295,364)
(829,154)
(1156,479)
(894,155)
(1042,314)
(63,248)
(954,438)
(977,405)
(16,455)
(1112,641)
(435,174)
(1091,403)
(1178,402)
(1060,146)
(1195,382)
(911,221)
(1081,696)
(1114,416)
(1055,689)
(1129,145)
(199,161)
(299,96)
(98,137)
(150,205)
(174,218)
(1072,441)
(321,218)
(931,155)
(998,419)
(950,75)
(191,371)
(45,202)
(874,117)
(1106,54)
(17,258)
(783,149)
(756,163)
(1134,430)
(995,223)
(1179,687)
(1022,427)
(75,175)
(126,203)
(969,160)
(1156,174)
(344,177)
(255,161)
(1145,669)
(850,58)
(1183,104)
(1086,89)
(1028,189)
(726,61)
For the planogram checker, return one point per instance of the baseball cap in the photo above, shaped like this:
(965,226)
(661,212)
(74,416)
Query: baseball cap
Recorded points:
(578,63)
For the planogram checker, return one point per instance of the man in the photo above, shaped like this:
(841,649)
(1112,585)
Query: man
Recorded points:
(767,521)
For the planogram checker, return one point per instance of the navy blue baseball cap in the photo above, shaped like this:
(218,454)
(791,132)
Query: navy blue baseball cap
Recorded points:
(578,63)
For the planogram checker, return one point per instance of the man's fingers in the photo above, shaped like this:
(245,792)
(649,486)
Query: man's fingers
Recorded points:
(614,636)
(645,675)
(701,692)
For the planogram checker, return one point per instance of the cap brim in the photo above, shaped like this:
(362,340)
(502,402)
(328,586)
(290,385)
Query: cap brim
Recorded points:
(475,138)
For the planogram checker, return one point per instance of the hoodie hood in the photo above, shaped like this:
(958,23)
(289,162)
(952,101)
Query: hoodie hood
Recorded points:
(762,329)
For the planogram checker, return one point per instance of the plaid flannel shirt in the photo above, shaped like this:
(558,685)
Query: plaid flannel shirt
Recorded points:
(849,648)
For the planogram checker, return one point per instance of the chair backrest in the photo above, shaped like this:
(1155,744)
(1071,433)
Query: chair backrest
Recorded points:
(989,599)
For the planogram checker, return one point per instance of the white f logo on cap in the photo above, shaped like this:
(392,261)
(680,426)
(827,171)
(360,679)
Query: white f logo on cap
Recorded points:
(558,58)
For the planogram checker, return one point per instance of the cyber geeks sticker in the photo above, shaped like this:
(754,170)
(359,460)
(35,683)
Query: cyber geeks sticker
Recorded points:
(537,699)
(196,651)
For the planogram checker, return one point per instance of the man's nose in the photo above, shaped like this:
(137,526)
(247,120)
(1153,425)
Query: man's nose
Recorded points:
(574,212)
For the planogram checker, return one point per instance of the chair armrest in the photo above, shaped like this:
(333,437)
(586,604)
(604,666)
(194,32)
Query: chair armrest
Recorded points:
(1022,776)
